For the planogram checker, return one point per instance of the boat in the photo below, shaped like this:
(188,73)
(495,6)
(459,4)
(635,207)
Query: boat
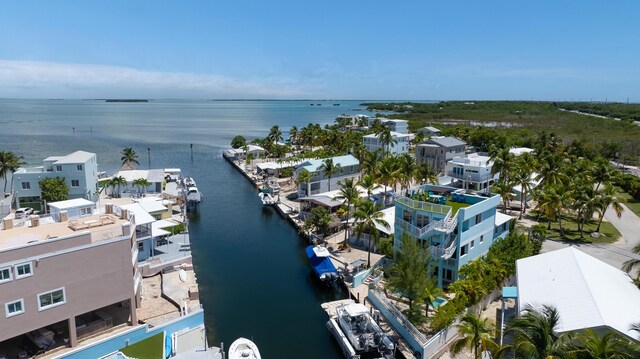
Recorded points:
(361,330)
(321,264)
(243,348)
(193,196)
(266,198)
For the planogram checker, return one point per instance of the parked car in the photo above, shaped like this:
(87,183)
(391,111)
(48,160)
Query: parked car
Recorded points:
(23,212)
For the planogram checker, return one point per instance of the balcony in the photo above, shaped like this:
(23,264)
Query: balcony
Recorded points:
(423,206)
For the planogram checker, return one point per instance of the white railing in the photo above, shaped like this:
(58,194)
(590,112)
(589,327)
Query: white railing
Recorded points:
(423,206)
(382,299)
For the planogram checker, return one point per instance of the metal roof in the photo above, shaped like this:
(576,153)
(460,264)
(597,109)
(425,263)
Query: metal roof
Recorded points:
(343,161)
(71,203)
(587,292)
(75,157)
(445,141)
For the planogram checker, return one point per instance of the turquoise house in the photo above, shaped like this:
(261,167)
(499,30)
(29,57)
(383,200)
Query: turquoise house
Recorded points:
(458,226)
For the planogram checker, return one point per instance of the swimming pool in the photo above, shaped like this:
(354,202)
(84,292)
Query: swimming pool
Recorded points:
(438,302)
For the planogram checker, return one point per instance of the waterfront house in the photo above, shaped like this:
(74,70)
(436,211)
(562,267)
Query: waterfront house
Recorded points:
(65,281)
(79,170)
(401,145)
(401,126)
(155,177)
(350,168)
(587,292)
(438,151)
(241,153)
(74,208)
(472,171)
(456,225)
(430,131)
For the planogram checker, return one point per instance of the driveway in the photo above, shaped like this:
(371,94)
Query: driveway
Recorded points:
(615,253)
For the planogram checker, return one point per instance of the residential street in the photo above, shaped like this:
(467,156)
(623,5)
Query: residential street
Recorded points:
(616,253)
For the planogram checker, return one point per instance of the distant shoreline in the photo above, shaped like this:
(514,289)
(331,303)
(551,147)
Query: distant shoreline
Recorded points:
(125,100)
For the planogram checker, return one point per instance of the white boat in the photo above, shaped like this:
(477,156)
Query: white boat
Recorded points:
(266,198)
(243,348)
(363,333)
(193,196)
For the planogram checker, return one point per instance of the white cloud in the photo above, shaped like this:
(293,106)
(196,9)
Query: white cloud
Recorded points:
(57,80)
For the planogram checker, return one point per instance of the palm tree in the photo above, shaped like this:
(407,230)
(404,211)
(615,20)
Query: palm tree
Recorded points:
(367,215)
(535,334)
(611,345)
(9,163)
(609,198)
(370,162)
(552,171)
(430,294)
(141,183)
(275,135)
(522,177)
(350,194)
(603,173)
(407,169)
(130,157)
(117,182)
(426,174)
(629,265)
(475,333)
(387,173)
(368,183)
(550,204)
(386,139)
(304,176)
(329,168)
(503,162)
(504,189)
(294,135)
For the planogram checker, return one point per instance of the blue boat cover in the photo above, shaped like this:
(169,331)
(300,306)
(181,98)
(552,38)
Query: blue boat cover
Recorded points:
(320,265)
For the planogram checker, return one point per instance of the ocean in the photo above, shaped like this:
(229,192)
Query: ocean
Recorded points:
(250,263)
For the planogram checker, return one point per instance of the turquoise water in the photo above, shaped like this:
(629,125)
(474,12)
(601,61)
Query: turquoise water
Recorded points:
(253,274)
(438,302)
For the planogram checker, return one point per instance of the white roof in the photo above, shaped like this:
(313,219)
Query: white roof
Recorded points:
(321,252)
(172,170)
(520,150)
(390,217)
(156,175)
(587,292)
(393,135)
(156,227)
(141,216)
(71,203)
(152,205)
(275,165)
(76,157)
(343,161)
(502,218)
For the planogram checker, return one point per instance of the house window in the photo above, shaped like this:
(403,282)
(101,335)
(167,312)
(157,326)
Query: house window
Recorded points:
(26,185)
(58,168)
(51,299)
(448,274)
(75,183)
(23,270)
(472,245)
(140,246)
(482,238)
(79,167)
(464,250)
(14,308)
(478,218)
(5,274)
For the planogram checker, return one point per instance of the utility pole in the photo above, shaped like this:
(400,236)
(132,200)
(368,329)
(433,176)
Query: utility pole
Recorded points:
(149,156)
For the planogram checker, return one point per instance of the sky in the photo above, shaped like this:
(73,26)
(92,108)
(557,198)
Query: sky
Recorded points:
(403,50)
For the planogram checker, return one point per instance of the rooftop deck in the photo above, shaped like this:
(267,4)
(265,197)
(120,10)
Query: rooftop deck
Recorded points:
(100,226)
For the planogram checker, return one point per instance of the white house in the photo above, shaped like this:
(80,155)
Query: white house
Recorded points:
(401,126)
(79,170)
(430,131)
(155,177)
(401,145)
(350,168)
(472,171)
(588,293)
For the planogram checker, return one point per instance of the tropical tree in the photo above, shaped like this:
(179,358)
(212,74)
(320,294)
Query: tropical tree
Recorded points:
(129,157)
(603,173)
(294,135)
(117,182)
(550,204)
(610,345)
(504,189)
(426,174)
(304,176)
(350,194)
(275,135)
(386,139)
(408,275)
(368,183)
(367,215)
(370,162)
(53,189)
(141,183)
(475,333)
(522,177)
(9,163)
(388,173)
(430,293)
(609,198)
(535,334)
(319,220)
(238,141)
(329,168)
(631,264)
(552,171)
(407,169)
(503,163)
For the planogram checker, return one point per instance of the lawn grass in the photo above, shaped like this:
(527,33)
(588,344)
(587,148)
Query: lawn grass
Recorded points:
(150,348)
(455,206)
(632,204)
(609,233)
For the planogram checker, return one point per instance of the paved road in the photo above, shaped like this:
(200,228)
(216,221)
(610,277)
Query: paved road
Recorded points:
(616,253)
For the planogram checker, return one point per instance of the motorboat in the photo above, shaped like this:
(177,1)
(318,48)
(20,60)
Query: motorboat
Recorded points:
(192,195)
(266,198)
(321,263)
(243,348)
(362,331)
